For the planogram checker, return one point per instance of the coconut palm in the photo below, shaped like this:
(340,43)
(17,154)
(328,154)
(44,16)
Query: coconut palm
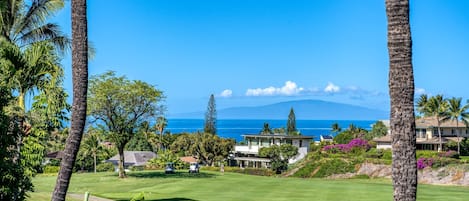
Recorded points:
(160,125)
(457,111)
(437,107)
(421,104)
(401,92)
(79,106)
(24,23)
(91,146)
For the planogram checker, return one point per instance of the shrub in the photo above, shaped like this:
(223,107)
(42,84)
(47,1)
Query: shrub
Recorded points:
(426,154)
(424,162)
(136,168)
(355,146)
(105,167)
(449,154)
(51,169)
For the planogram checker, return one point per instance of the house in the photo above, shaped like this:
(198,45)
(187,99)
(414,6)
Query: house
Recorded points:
(248,155)
(133,158)
(326,138)
(188,159)
(426,130)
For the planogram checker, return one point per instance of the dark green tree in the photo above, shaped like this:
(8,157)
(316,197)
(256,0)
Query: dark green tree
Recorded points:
(14,182)
(336,127)
(291,123)
(266,130)
(378,130)
(120,106)
(211,117)
(279,155)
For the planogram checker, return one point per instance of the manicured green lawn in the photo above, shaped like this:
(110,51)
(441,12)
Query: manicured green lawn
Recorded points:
(231,186)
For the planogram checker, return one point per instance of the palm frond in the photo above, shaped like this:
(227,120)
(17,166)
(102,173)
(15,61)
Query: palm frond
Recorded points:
(36,15)
(49,32)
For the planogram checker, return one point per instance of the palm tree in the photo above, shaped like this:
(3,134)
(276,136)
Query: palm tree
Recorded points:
(160,125)
(422,103)
(25,23)
(401,92)
(457,111)
(79,106)
(336,127)
(437,107)
(91,146)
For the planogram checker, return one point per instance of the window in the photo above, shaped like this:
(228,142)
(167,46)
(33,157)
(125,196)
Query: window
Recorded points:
(301,143)
(452,131)
(288,141)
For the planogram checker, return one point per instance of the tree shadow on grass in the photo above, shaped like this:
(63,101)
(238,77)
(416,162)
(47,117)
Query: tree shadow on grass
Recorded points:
(174,175)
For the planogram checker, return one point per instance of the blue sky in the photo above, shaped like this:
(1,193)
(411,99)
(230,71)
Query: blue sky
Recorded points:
(259,52)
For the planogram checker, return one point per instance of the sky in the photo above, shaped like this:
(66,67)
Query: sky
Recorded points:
(258,52)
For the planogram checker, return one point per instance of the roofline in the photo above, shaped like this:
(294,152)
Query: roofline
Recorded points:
(279,136)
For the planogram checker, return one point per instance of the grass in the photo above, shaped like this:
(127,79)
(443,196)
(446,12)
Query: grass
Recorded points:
(232,186)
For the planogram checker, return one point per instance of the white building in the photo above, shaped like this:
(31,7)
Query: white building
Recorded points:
(248,155)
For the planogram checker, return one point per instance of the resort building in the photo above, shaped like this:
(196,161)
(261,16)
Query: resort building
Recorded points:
(132,158)
(248,155)
(427,134)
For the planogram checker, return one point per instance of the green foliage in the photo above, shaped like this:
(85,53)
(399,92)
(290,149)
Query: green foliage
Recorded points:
(426,154)
(120,105)
(279,155)
(210,125)
(378,130)
(325,167)
(249,171)
(351,133)
(14,182)
(137,168)
(291,123)
(105,167)
(139,143)
(266,130)
(207,147)
(464,146)
(138,197)
(165,157)
(51,169)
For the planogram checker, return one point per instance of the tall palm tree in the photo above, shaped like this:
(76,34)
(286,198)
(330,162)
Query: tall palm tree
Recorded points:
(422,103)
(79,106)
(91,146)
(25,22)
(336,127)
(457,111)
(401,92)
(437,107)
(160,125)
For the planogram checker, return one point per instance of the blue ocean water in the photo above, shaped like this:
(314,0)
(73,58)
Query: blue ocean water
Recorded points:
(235,128)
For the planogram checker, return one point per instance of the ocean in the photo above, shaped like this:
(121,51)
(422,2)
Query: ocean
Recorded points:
(235,128)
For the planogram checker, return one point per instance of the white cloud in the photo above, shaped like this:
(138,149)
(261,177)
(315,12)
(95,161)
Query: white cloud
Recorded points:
(331,88)
(419,91)
(289,89)
(226,93)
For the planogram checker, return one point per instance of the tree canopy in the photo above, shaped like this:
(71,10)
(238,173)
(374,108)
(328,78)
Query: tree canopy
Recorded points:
(211,116)
(120,106)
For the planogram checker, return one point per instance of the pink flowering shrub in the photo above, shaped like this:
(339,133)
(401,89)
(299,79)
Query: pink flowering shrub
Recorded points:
(354,145)
(449,154)
(424,162)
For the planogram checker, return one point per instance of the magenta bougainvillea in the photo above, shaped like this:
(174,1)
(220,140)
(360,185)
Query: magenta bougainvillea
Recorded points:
(424,162)
(356,143)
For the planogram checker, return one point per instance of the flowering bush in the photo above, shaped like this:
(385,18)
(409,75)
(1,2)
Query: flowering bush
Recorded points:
(449,154)
(424,162)
(354,145)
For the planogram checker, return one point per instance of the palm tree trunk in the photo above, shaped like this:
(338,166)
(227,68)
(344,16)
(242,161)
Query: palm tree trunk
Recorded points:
(401,91)
(439,134)
(457,133)
(80,88)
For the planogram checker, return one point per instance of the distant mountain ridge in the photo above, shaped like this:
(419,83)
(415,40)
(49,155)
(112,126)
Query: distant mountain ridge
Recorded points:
(304,109)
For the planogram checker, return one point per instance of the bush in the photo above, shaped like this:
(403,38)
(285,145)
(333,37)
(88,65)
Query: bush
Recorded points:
(51,169)
(426,154)
(326,167)
(449,154)
(105,167)
(424,162)
(249,171)
(356,146)
(136,168)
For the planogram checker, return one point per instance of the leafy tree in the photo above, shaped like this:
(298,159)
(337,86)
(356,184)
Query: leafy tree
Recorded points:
(401,92)
(211,117)
(291,123)
(92,145)
(207,147)
(279,130)
(120,106)
(457,111)
(79,105)
(266,130)
(279,155)
(164,157)
(14,182)
(378,130)
(351,133)
(139,142)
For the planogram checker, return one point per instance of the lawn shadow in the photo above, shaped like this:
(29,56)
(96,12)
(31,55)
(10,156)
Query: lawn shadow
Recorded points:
(174,175)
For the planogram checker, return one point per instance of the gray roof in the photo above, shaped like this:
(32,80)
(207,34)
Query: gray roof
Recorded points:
(134,158)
